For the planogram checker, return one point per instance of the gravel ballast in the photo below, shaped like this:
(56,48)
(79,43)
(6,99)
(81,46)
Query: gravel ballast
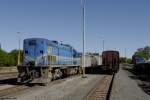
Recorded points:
(75,88)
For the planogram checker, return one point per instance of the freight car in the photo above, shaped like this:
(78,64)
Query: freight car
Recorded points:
(92,60)
(136,59)
(46,60)
(98,59)
(92,63)
(110,61)
(140,65)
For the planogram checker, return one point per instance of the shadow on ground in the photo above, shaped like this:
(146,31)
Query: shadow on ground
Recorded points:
(143,80)
(95,70)
(9,81)
(13,81)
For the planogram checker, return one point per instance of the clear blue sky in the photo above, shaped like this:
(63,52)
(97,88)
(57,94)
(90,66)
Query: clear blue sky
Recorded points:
(122,23)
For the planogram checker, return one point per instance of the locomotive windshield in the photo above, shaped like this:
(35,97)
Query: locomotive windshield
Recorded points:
(32,42)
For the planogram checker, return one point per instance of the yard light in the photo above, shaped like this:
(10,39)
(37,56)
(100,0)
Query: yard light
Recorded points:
(83,29)
(19,48)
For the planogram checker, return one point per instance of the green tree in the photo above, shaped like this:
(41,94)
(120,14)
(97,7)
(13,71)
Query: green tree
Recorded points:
(129,60)
(3,57)
(9,59)
(143,52)
(14,56)
(122,60)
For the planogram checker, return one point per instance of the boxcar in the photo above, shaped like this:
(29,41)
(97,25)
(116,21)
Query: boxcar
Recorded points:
(92,60)
(110,61)
(98,59)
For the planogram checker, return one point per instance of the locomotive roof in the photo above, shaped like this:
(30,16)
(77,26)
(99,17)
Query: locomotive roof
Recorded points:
(54,42)
(35,39)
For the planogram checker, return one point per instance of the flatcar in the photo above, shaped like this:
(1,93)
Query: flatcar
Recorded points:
(110,61)
(46,60)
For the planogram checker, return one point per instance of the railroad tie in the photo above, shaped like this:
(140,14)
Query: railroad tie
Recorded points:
(101,90)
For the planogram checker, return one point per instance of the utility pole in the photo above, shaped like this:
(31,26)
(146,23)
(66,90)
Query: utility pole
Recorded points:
(125,56)
(103,44)
(83,2)
(0,46)
(101,48)
(19,48)
(99,53)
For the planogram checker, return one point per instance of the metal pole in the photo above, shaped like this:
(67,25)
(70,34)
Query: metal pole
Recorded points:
(125,56)
(19,49)
(100,52)
(103,45)
(83,53)
(0,45)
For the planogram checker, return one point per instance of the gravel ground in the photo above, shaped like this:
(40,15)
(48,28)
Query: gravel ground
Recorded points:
(4,76)
(75,88)
(12,69)
(126,88)
(2,87)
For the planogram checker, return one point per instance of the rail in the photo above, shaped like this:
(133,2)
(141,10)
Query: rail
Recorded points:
(102,89)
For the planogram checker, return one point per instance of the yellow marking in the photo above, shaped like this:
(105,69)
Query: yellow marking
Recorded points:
(49,50)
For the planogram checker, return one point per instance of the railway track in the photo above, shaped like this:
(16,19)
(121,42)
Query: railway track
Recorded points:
(18,88)
(102,89)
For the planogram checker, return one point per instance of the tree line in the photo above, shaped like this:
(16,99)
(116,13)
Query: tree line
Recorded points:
(143,52)
(9,58)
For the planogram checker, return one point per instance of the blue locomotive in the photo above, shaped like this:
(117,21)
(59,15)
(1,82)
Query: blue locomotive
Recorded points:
(45,60)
